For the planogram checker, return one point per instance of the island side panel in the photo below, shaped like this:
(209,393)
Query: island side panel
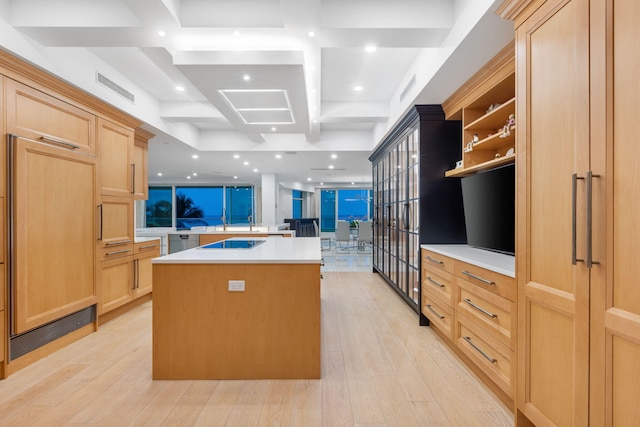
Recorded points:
(201,330)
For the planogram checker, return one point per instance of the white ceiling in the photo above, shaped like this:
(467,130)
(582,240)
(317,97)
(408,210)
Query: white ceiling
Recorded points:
(299,103)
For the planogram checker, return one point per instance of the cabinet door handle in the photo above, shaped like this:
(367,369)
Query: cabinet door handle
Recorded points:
(57,141)
(119,242)
(574,196)
(437,261)
(100,228)
(480,309)
(135,274)
(434,312)
(118,252)
(434,282)
(589,183)
(488,282)
(133,178)
(479,350)
(148,246)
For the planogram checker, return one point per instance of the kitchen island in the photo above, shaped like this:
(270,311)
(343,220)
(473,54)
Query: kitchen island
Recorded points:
(247,313)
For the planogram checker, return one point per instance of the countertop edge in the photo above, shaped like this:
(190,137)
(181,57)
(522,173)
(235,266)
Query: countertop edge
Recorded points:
(493,261)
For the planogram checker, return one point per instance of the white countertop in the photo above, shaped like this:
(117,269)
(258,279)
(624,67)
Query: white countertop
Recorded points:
(275,250)
(493,261)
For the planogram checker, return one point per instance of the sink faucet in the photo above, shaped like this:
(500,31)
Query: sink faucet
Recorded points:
(224,219)
(250,218)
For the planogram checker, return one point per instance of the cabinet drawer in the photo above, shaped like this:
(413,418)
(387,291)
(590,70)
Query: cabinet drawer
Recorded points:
(439,315)
(486,279)
(438,283)
(116,251)
(434,259)
(147,247)
(489,311)
(35,115)
(493,358)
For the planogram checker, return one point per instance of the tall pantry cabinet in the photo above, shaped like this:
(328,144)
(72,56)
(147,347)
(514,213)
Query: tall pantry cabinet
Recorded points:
(578,189)
(413,202)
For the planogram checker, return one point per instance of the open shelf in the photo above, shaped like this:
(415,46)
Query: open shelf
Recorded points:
(494,163)
(495,142)
(494,119)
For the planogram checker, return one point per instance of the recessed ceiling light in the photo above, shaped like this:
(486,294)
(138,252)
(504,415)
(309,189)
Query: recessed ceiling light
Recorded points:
(353,183)
(278,156)
(357,88)
(309,179)
(330,166)
(274,129)
(236,156)
(161,33)
(159,173)
(322,183)
(255,170)
(311,33)
(245,163)
(195,156)
(195,174)
(235,177)
(188,177)
(180,88)
(246,77)
(334,156)
(370,48)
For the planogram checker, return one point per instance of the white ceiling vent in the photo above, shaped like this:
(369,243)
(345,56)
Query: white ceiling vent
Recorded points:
(408,87)
(116,88)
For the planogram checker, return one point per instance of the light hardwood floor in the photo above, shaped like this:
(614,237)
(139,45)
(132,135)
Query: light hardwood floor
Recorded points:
(379,368)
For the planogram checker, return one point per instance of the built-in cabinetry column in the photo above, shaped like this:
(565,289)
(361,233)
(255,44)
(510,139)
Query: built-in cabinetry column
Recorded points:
(577,210)
(3,225)
(269,197)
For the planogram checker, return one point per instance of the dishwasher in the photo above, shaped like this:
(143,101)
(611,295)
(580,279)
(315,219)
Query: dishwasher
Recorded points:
(180,242)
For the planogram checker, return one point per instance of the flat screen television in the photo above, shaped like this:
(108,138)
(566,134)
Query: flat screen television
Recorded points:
(489,209)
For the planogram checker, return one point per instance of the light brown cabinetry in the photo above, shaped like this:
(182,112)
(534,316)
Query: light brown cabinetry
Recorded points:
(143,269)
(140,166)
(578,205)
(54,223)
(474,309)
(115,145)
(39,116)
(116,227)
(485,104)
(126,276)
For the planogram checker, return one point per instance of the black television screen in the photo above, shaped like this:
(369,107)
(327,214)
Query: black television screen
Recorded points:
(489,209)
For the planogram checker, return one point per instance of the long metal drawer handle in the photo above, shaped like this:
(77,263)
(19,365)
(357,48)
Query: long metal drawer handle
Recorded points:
(589,183)
(121,242)
(434,312)
(479,350)
(148,246)
(434,282)
(57,141)
(118,252)
(437,261)
(480,309)
(488,282)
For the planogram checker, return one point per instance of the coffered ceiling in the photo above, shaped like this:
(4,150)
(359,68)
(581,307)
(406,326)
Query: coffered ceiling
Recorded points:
(279,84)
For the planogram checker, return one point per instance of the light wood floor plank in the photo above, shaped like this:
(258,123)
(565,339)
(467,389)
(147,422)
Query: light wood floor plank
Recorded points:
(379,368)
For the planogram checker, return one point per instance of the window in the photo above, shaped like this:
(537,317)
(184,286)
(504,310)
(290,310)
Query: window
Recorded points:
(328,210)
(158,207)
(198,206)
(344,205)
(353,205)
(239,205)
(296,210)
